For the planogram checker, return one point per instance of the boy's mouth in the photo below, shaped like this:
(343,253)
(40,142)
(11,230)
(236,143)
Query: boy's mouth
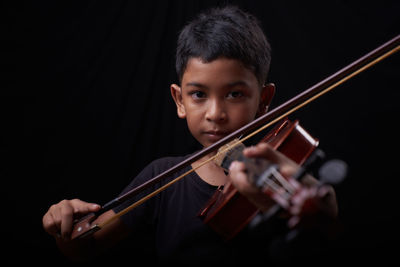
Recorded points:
(215,135)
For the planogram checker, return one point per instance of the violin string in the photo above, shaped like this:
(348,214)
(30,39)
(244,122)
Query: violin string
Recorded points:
(269,176)
(140,201)
(283,182)
(276,187)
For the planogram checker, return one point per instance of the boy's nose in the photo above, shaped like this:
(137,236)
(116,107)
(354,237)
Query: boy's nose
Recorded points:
(216,111)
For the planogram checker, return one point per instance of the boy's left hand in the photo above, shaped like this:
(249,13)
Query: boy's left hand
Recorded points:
(308,203)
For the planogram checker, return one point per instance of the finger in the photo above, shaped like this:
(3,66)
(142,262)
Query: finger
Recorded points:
(259,150)
(237,166)
(67,217)
(239,177)
(301,195)
(294,183)
(81,207)
(50,225)
(280,199)
(55,215)
(323,191)
(293,221)
(264,150)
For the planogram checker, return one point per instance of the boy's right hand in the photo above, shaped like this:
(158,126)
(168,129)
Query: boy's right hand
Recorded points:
(58,220)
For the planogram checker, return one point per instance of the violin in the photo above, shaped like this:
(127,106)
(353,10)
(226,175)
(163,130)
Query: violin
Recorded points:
(228,212)
(282,138)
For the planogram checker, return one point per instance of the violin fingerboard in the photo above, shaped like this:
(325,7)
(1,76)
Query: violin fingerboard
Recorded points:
(257,169)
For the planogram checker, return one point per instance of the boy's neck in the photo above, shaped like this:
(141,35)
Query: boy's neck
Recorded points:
(210,172)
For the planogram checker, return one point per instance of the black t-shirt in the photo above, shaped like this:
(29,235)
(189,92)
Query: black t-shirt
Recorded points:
(168,226)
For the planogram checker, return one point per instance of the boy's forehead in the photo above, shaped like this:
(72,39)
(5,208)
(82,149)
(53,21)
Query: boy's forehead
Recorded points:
(220,70)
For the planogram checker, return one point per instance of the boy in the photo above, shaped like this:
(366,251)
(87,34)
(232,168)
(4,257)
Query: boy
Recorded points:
(222,62)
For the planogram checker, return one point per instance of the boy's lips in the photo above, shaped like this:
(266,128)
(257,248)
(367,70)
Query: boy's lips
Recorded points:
(215,135)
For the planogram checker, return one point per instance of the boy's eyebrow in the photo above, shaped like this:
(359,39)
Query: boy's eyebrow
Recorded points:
(238,83)
(196,84)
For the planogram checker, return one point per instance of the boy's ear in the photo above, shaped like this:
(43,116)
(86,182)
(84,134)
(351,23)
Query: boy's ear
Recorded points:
(176,93)
(267,93)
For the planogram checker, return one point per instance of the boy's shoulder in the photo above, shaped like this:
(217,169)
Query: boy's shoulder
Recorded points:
(162,164)
(167,161)
(155,168)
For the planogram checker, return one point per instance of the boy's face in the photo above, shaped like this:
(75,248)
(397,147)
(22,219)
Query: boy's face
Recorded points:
(218,97)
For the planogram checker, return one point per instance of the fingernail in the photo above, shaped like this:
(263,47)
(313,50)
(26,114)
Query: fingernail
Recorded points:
(233,165)
(322,191)
(251,148)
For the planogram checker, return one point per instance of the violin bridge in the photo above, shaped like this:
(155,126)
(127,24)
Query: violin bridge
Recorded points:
(235,153)
(226,150)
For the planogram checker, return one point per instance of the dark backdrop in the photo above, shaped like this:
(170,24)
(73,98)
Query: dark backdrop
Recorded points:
(85,105)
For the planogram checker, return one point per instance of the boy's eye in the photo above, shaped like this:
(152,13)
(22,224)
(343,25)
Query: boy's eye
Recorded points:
(235,94)
(198,94)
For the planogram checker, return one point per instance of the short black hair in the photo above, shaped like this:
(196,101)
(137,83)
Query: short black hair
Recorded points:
(227,32)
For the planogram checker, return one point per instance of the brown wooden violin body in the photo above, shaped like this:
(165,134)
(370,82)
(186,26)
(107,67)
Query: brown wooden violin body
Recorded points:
(228,212)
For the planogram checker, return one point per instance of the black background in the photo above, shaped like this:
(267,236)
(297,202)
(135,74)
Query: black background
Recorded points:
(85,105)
